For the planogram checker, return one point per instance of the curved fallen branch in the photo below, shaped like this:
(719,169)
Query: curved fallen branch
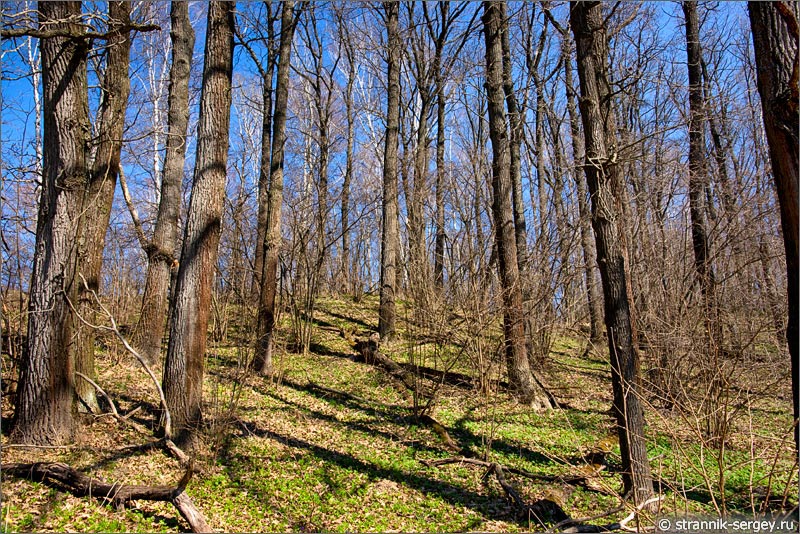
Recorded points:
(82,485)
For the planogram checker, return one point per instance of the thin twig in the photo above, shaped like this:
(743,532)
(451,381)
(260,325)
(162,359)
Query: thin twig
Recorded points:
(115,329)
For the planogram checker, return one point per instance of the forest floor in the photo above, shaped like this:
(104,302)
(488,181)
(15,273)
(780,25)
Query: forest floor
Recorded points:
(333,444)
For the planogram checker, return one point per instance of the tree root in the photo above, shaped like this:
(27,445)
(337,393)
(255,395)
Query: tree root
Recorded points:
(65,477)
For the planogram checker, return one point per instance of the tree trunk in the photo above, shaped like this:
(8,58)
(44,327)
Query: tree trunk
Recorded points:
(43,409)
(593,297)
(775,40)
(344,35)
(605,182)
(519,371)
(390,237)
(515,145)
(268,75)
(115,87)
(161,251)
(262,361)
(697,147)
(183,368)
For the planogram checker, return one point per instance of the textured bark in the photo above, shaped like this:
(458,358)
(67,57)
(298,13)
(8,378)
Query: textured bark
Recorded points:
(183,368)
(515,160)
(45,392)
(775,39)
(519,371)
(262,361)
(594,300)
(390,237)
(115,87)
(161,250)
(604,181)
(697,158)
(267,81)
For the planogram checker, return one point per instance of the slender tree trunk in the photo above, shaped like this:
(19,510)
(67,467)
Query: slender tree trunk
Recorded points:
(161,250)
(344,35)
(438,252)
(43,411)
(262,362)
(390,238)
(115,87)
(697,145)
(266,152)
(519,371)
(594,300)
(184,365)
(515,160)
(605,182)
(775,39)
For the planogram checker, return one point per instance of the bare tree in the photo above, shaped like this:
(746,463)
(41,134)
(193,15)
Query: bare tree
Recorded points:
(519,371)
(775,40)
(161,249)
(43,410)
(262,361)
(114,87)
(604,180)
(184,365)
(390,239)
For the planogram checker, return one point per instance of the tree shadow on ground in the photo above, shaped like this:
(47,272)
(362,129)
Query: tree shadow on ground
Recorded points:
(486,505)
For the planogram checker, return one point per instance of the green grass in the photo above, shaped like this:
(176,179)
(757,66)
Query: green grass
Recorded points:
(331,445)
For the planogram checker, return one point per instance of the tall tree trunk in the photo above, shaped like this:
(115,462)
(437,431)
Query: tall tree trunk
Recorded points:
(267,78)
(438,251)
(519,371)
(605,182)
(161,250)
(43,410)
(115,87)
(515,160)
(390,238)
(775,40)
(347,43)
(697,158)
(594,300)
(262,361)
(183,368)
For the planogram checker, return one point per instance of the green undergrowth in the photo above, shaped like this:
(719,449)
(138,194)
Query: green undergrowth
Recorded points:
(332,444)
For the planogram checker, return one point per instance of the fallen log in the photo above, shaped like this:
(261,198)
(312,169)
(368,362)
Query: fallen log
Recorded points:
(61,475)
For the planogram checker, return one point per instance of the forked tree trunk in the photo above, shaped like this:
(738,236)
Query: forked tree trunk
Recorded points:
(390,236)
(43,410)
(161,250)
(115,87)
(183,368)
(265,330)
(775,39)
(519,372)
(604,180)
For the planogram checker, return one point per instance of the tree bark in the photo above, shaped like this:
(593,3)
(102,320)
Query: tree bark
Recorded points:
(44,397)
(161,250)
(697,158)
(262,361)
(115,88)
(267,79)
(184,365)
(604,181)
(519,372)
(775,40)
(390,236)
(515,145)
(594,300)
